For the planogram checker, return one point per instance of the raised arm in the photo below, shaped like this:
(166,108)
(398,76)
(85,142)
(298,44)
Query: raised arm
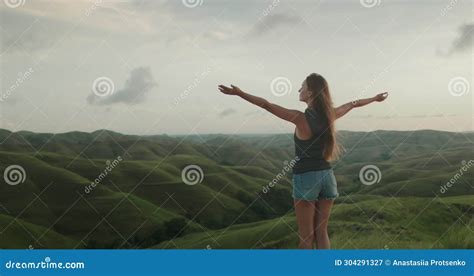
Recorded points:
(345,108)
(290,115)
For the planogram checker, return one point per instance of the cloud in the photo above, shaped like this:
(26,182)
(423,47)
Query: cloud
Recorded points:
(414,116)
(463,42)
(219,34)
(24,33)
(138,85)
(273,21)
(227,112)
(38,25)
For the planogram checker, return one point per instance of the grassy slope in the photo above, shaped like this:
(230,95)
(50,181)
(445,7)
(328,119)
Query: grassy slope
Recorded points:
(232,176)
(22,234)
(373,223)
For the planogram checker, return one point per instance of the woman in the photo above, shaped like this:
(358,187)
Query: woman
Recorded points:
(314,183)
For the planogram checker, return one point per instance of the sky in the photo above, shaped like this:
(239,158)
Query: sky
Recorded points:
(152,67)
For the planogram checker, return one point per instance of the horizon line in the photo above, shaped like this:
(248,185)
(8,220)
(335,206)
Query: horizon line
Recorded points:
(221,133)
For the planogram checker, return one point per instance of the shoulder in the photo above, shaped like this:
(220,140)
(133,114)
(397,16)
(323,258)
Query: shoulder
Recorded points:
(302,119)
(300,116)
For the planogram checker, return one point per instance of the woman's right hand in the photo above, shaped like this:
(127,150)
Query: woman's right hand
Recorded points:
(381,97)
(232,90)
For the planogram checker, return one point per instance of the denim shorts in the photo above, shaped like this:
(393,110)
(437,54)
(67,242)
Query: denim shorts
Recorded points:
(315,185)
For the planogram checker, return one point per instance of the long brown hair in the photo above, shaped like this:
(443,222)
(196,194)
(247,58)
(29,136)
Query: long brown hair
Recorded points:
(322,104)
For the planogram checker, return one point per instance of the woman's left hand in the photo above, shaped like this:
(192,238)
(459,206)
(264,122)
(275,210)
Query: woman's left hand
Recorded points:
(233,90)
(381,97)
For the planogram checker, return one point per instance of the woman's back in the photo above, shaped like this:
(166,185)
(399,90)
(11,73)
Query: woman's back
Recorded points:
(310,151)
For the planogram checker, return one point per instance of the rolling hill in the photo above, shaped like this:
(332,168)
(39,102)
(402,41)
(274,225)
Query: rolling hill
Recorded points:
(142,202)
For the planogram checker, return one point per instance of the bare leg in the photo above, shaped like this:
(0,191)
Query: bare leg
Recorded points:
(305,218)
(321,219)
(315,224)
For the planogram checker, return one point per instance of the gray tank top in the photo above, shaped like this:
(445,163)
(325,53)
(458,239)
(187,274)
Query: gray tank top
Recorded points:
(310,152)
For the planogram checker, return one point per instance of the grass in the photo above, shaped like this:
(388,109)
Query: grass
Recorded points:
(143,201)
(374,223)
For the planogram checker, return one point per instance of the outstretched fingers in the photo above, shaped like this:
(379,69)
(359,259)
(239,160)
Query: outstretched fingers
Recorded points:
(224,88)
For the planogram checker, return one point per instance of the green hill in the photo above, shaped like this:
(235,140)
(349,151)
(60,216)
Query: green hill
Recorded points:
(143,202)
(374,223)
